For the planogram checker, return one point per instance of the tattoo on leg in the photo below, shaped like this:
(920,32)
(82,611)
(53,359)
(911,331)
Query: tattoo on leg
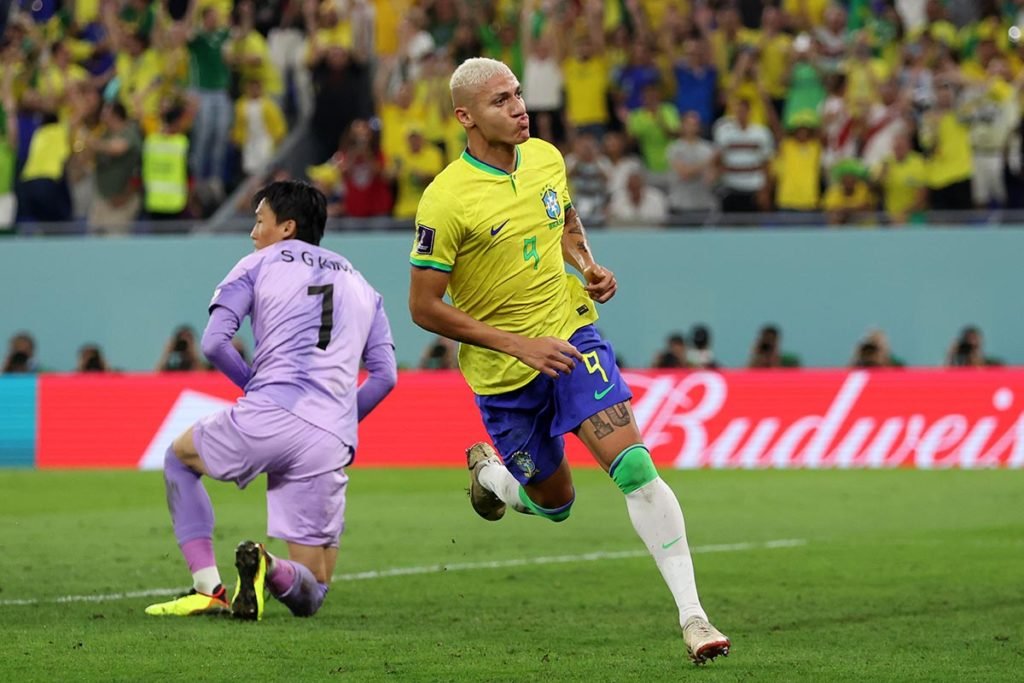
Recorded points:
(618,414)
(601,428)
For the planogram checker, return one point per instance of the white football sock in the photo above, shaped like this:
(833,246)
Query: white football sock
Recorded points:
(206,580)
(658,520)
(496,479)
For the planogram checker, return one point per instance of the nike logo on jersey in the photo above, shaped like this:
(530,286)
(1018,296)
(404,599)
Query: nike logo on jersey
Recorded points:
(495,231)
(598,395)
(666,546)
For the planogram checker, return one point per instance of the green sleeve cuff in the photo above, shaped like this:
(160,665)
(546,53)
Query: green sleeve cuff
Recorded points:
(434,265)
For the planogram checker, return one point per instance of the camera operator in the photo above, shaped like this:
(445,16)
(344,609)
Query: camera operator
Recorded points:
(180,354)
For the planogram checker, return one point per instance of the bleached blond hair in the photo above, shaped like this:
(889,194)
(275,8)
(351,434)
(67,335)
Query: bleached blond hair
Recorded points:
(473,73)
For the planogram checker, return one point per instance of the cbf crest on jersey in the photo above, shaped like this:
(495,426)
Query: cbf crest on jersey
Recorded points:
(551,204)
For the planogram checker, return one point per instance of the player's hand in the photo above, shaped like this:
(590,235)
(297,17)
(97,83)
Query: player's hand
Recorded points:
(549,355)
(602,283)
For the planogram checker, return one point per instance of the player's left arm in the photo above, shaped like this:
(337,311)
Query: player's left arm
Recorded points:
(601,282)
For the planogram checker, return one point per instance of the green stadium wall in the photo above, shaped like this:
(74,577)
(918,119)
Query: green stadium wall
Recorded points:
(825,288)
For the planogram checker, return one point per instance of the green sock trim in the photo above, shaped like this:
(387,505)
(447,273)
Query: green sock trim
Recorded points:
(633,469)
(555,515)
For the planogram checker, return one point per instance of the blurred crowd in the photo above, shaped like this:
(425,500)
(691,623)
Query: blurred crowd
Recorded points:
(693,350)
(862,111)
(114,110)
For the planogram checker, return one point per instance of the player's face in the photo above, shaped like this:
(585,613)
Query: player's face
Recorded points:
(267,230)
(500,113)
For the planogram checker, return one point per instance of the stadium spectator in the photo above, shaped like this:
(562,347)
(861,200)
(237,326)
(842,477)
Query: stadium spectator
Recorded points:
(639,74)
(208,44)
(85,123)
(673,355)
(946,139)
(248,55)
(165,157)
(744,151)
(42,192)
(691,159)
(849,196)
(543,82)
(360,166)
(286,41)
(967,350)
(831,37)
(413,170)
(744,85)
(585,74)
(729,38)
(118,152)
(21,354)
(440,354)
(887,119)
(259,127)
(589,174)
(180,353)
(805,15)
(414,43)
(638,204)
(90,359)
(654,126)
(623,162)
(8,148)
(774,46)
(342,87)
(699,353)
(765,352)
(696,81)
(796,169)
(874,351)
(903,178)
(805,81)
(991,104)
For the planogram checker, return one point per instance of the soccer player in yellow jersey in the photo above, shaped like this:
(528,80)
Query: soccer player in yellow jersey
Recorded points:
(494,230)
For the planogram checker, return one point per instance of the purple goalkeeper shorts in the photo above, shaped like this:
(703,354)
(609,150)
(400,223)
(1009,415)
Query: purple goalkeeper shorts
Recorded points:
(527,424)
(304,464)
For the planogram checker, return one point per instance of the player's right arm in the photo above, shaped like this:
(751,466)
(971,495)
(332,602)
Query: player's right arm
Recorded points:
(439,235)
(231,302)
(549,355)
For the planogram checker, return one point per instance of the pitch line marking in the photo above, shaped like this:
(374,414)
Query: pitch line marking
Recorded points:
(433,569)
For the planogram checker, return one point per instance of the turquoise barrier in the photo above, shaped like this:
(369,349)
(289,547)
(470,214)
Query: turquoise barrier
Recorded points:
(18,417)
(825,288)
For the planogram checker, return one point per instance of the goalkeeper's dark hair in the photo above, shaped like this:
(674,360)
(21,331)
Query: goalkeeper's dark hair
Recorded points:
(298,201)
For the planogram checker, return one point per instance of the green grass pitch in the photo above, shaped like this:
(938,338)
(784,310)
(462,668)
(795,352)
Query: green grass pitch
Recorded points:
(889,575)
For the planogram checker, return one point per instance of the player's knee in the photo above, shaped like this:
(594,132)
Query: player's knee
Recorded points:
(633,469)
(554,514)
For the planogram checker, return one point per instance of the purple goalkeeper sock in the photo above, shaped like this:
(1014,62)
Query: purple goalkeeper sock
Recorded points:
(281,577)
(191,511)
(305,594)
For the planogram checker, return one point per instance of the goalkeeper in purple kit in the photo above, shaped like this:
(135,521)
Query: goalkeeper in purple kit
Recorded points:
(314,319)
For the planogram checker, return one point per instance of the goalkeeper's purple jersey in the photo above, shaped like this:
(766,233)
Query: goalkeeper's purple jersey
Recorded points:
(312,315)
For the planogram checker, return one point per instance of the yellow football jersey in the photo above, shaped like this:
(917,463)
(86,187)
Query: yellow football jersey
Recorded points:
(500,236)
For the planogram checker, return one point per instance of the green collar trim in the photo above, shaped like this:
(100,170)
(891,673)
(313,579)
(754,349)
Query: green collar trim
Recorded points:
(487,168)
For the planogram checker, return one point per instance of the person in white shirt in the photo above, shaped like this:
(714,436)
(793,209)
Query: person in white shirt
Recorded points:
(638,204)
(623,163)
(744,152)
(543,82)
